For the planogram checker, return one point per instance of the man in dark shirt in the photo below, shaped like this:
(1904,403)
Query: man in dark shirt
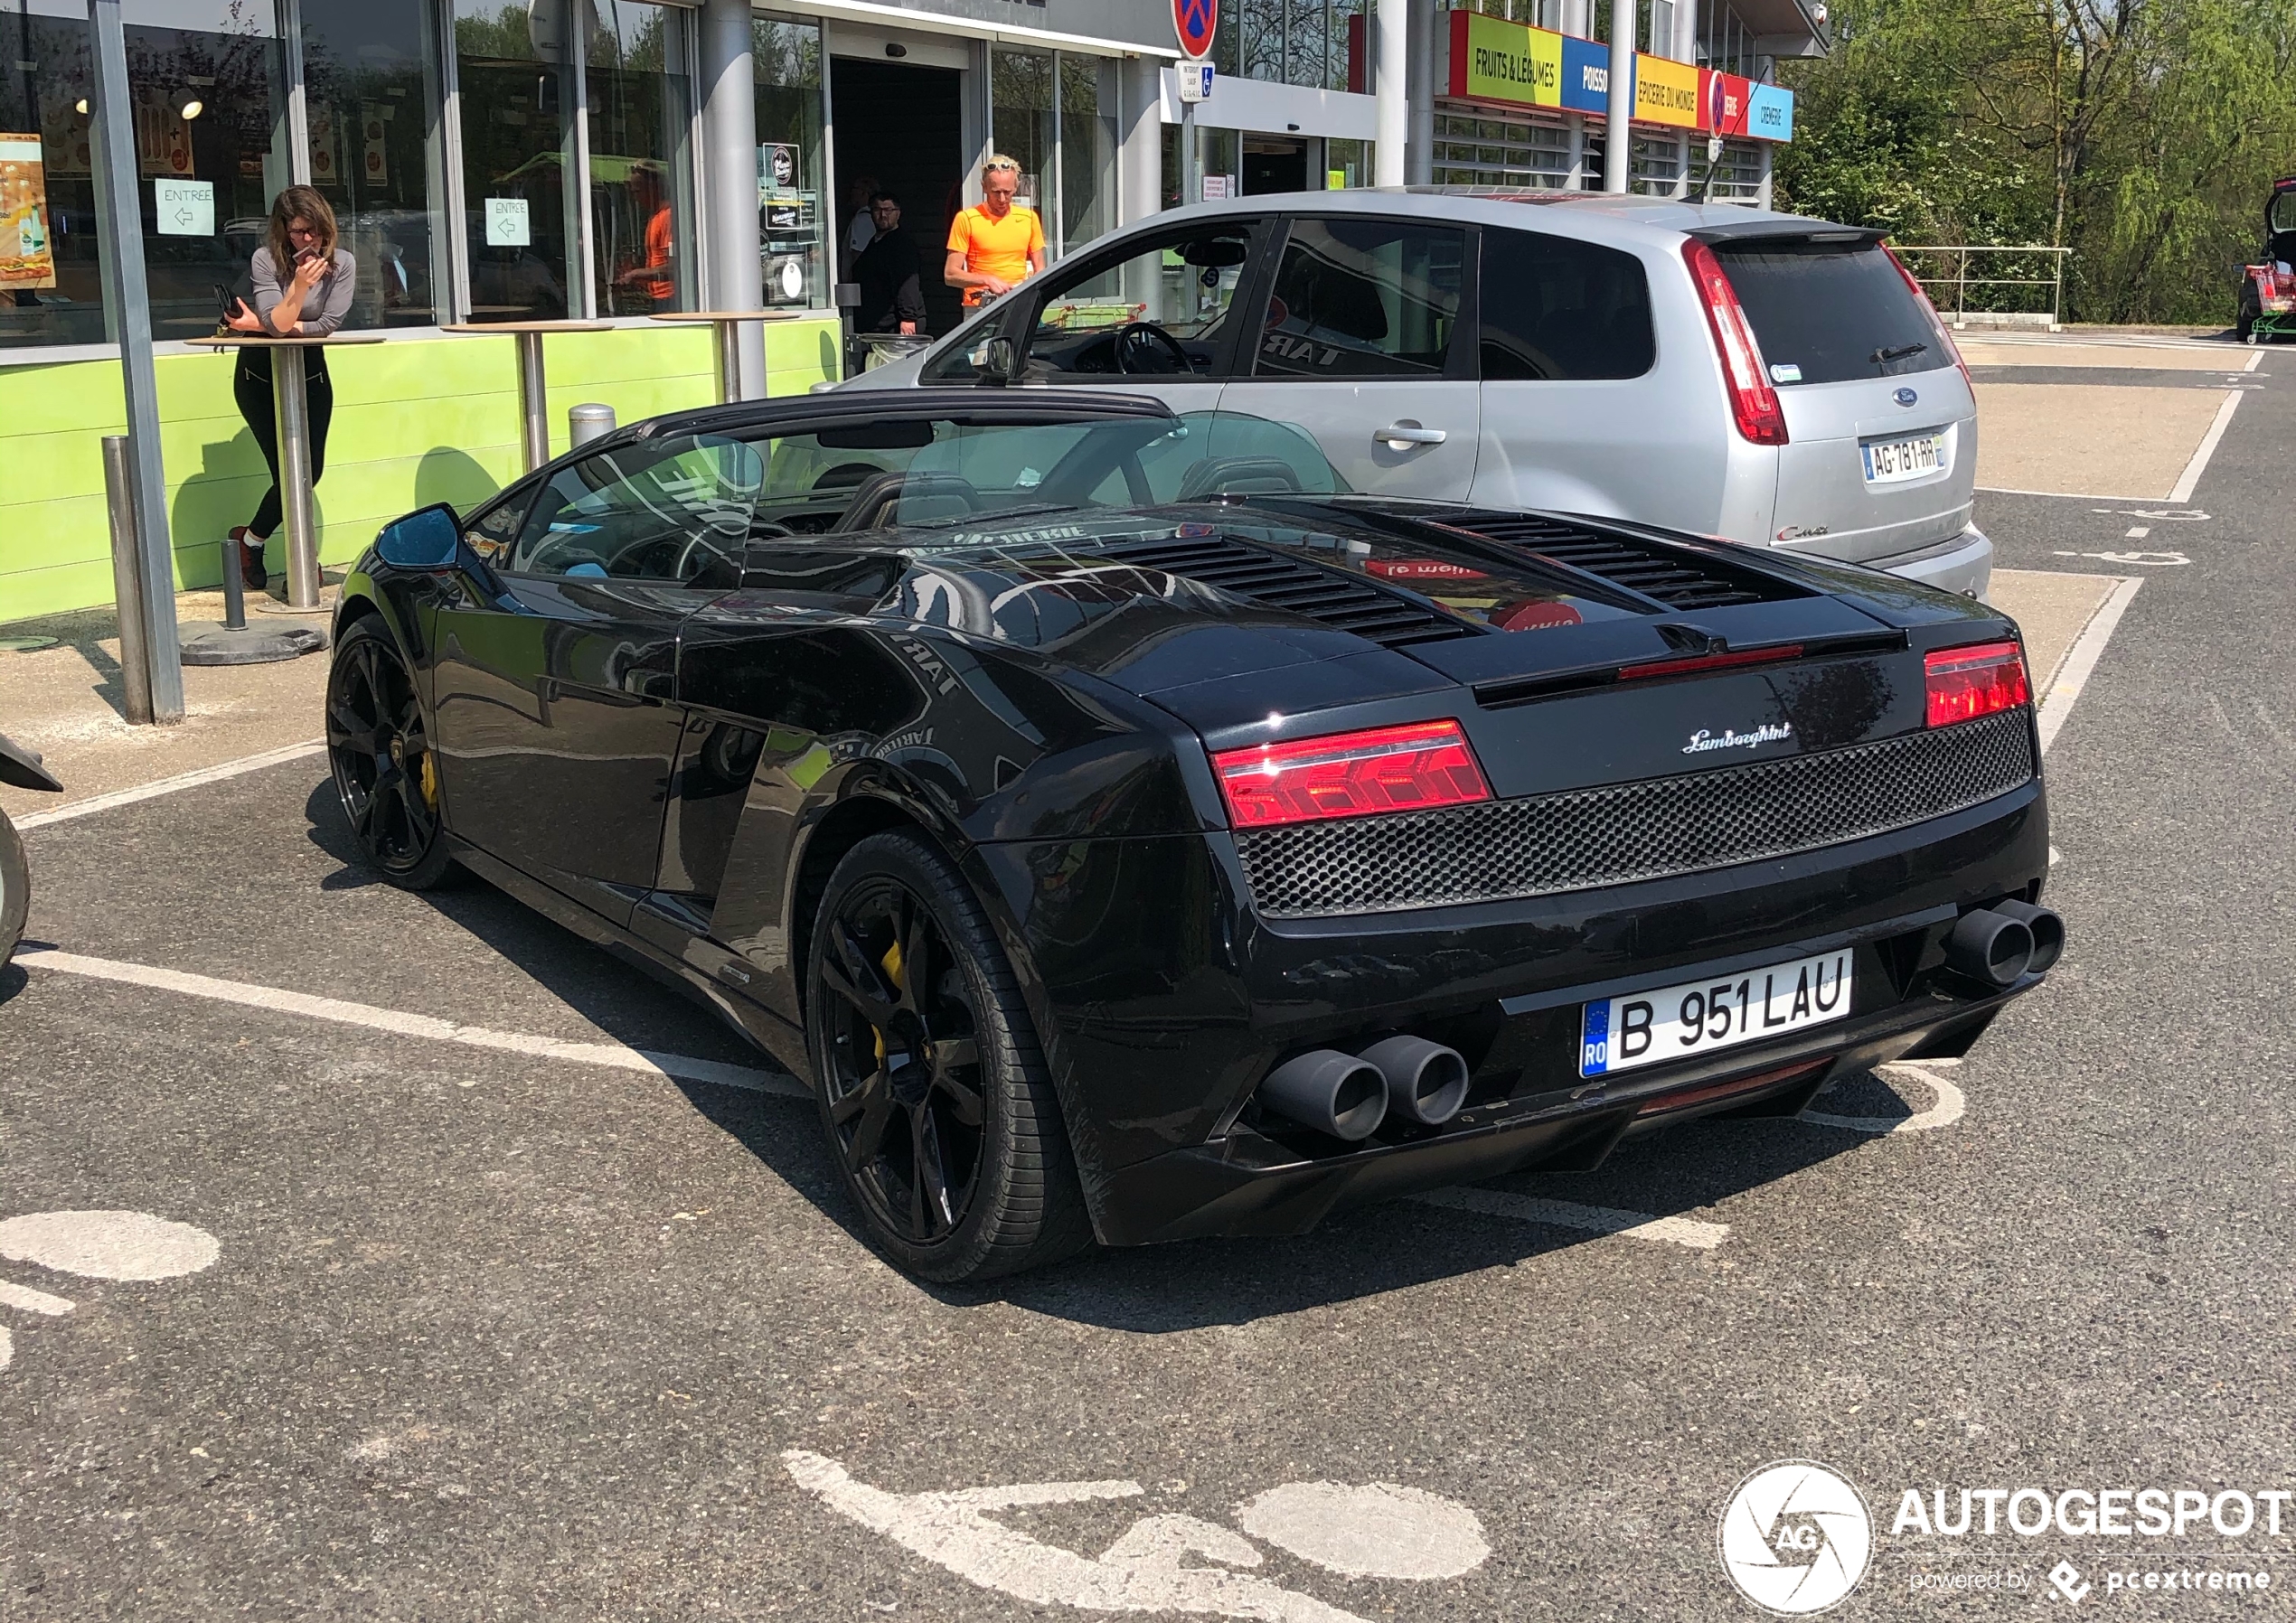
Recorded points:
(891,300)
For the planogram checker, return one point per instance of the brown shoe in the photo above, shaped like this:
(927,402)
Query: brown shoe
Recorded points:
(252,573)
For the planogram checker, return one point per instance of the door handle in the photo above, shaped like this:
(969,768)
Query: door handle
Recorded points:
(1399,435)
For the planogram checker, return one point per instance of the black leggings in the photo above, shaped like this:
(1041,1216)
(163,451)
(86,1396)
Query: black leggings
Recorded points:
(251,388)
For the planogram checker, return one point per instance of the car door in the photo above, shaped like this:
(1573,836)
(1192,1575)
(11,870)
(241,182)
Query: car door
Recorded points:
(1364,340)
(1152,314)
(554,678)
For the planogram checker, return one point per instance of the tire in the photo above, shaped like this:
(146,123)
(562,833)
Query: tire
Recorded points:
(379,747)
(15,889)
(934,1091)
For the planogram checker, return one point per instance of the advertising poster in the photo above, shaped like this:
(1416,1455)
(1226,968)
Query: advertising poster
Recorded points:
(1770,114)
(1586,76)
(27,260)
(1493,59)
(1666,92)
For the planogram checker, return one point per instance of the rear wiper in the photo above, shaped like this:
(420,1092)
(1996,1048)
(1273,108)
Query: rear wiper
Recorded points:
(1884,357)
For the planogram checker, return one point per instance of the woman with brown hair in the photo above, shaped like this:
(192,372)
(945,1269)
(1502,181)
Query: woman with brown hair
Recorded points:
(303,287)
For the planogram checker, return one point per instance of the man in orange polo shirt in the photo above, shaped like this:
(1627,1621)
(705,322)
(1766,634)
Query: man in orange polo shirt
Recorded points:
(995,245)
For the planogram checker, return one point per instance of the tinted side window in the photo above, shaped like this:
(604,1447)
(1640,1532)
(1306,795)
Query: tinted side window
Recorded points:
(1363,298)
(677,509)
(491,533)
(1560,310)
(1824,312)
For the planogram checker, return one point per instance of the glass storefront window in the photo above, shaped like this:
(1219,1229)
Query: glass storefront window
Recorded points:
(514,81)
(370,101)
(1089,138)
(1021,110)
(641,160)
(51,290)
(791,217)
(1293,41)
(208,81)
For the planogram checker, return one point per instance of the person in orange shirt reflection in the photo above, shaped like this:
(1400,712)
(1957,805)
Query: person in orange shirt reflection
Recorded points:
(657,279)
(997,244)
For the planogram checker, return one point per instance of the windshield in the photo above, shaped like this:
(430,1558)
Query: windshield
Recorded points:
(682,506)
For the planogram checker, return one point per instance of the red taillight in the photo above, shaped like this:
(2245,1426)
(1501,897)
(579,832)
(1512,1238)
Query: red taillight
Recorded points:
(1965,683)
(1350,774)
(1752,399)
(1929,308)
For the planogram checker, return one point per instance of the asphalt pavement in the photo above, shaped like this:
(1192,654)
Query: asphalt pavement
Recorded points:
(507,1284)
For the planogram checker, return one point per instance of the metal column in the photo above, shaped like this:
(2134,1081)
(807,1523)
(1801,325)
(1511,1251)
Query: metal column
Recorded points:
(1390,60)
(1618,133)
(730,176)
(128,318)
(1424,80)
(291,409)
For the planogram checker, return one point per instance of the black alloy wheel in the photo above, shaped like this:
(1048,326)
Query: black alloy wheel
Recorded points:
(383,766)
(932,1086)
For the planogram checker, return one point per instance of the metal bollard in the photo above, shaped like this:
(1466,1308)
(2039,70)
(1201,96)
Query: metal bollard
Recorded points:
(127,582)
(234,588)
(587,423)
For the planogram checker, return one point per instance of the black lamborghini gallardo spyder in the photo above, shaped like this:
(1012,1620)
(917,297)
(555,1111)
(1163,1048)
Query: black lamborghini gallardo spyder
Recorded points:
(1131,833)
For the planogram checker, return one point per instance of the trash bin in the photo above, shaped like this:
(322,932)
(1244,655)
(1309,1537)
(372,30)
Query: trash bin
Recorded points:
(883,349)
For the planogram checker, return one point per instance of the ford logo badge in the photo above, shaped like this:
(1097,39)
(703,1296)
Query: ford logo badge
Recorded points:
(1905,396)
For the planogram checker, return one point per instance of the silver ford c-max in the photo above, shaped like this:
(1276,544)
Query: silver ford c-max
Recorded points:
(1773,380)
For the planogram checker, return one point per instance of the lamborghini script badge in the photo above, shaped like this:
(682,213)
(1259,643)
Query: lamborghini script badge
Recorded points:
(1706,738)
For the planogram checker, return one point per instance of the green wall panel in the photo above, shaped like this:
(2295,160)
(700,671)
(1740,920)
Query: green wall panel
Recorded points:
(416,421)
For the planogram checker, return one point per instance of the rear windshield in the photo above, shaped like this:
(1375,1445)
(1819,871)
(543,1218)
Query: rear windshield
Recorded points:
(1826,312)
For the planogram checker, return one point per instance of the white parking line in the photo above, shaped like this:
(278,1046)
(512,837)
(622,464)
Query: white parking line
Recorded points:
(2198,465)
(182,780)
(613,1056)
(33,1301)
(2081,660)
(1565,1213)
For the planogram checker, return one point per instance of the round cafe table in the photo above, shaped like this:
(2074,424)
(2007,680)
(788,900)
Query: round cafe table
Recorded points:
(533,399)
(290,412)
(728,324)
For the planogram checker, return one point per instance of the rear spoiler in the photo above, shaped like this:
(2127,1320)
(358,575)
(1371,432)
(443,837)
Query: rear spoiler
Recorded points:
(1784,231)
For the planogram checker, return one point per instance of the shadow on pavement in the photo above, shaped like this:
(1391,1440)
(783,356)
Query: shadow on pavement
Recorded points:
(1193,1284)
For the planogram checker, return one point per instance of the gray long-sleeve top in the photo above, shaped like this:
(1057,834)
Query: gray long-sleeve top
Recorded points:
(323,311)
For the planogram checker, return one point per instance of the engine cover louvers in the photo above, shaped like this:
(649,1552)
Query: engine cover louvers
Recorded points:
(1296,587)
(1679,579)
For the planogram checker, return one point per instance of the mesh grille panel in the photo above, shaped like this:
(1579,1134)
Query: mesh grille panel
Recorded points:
(1587,838)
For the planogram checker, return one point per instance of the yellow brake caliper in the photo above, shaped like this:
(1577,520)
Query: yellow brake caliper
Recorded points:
(429,781)
(892,962)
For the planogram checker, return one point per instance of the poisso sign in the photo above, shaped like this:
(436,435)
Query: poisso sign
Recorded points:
(1194,22)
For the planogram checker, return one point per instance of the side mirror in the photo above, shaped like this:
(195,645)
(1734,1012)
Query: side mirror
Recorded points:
(1000,360)
(427,539)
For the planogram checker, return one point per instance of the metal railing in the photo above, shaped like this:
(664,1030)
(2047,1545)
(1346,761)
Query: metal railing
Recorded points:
(1942,268)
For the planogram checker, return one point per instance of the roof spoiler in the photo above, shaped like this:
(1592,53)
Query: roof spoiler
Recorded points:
(1787,231)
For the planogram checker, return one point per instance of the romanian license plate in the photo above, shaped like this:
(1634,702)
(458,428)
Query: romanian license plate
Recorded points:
(1889,461)
(1699,1016)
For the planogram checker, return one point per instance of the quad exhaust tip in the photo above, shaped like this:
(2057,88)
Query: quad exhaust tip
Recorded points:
(2000,944)
(1329,1091)
(1349,1095)
(1426,1082)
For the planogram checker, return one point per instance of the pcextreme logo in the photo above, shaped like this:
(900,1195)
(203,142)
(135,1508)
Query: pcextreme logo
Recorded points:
(1795,1538)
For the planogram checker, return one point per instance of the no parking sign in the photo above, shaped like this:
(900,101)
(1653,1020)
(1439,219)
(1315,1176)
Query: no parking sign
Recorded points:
(1195,21)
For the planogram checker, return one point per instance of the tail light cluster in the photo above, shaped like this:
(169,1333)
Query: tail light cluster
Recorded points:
(1383,769)
(1965,683)
(1753,401)
(1936,322)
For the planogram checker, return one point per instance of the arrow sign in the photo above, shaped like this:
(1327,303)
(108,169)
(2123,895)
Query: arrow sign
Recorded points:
(184,208)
